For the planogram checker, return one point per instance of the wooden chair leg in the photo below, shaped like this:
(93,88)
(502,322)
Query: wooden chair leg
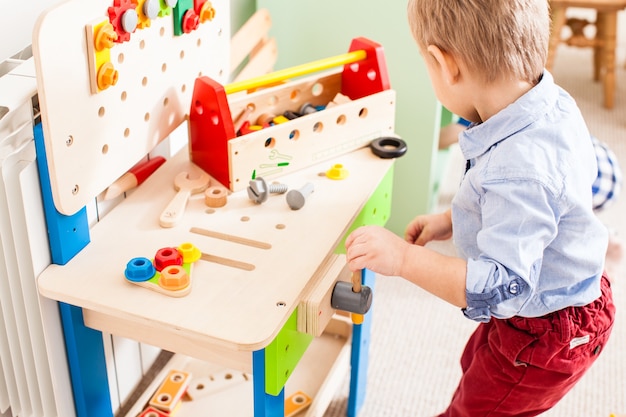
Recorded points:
(609,43)
(599,47)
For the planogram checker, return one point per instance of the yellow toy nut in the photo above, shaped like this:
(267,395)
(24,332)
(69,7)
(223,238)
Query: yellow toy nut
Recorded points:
(189,252)
(337,172)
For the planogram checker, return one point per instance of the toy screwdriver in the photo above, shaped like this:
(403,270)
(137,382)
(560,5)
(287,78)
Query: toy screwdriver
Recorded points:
(134,177)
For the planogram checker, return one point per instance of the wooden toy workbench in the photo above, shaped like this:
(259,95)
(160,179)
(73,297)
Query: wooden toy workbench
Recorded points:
(229,309)
(260,291)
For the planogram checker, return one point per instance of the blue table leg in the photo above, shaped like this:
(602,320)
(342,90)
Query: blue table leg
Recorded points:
(68,235)
(265,405)
(360,354)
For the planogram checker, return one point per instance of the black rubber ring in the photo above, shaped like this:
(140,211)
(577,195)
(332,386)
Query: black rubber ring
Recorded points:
(388,147)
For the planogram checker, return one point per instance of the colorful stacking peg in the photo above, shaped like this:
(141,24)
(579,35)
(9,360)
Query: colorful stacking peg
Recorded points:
(171,390)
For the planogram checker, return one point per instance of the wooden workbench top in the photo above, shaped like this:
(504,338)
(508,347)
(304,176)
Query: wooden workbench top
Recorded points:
(228,308)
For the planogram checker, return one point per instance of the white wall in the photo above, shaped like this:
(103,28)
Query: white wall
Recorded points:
(17,19)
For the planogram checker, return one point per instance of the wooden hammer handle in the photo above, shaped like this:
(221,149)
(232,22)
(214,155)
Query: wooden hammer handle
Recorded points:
(356,281)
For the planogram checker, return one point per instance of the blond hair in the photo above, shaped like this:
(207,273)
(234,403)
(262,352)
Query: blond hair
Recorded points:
(496,38)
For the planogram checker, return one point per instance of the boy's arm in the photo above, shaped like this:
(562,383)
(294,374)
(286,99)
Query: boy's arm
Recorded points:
(381,251)
(441,275)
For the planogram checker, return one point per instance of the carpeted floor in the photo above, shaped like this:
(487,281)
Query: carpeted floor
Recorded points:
(417,339)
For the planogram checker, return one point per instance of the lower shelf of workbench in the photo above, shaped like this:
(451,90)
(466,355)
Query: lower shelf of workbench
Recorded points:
(225,392)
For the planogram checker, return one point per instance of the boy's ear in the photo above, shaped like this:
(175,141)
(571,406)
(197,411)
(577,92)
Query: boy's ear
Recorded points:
(447,63)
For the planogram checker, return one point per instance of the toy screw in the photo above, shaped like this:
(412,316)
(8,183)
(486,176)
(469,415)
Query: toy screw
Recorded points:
(297,198)
(259,191)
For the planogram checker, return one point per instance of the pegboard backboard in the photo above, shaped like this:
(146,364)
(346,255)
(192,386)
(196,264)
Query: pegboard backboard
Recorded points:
(91,138)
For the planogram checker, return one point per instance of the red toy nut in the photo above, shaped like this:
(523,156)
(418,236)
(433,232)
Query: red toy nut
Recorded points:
(166,257)
(190,21)
(174,278)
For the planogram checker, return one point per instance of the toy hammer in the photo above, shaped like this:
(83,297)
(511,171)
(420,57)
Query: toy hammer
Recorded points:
(352,297)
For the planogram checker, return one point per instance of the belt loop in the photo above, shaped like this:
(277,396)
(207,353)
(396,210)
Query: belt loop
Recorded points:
(565,324)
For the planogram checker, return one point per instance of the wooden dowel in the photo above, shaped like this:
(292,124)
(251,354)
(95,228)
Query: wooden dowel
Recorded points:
(298,70)
(356,281)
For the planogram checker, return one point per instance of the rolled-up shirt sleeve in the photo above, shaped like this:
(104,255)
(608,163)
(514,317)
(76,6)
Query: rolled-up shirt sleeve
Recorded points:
(518,221)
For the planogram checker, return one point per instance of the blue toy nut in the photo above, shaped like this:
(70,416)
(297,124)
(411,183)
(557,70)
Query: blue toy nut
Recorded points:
(139,270)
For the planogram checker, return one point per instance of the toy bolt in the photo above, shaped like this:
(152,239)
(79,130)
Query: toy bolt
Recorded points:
(105,37)
(151,9)
(129,20)
(297,198)
(307,108)
(259,190)
(107,76)
(207,12)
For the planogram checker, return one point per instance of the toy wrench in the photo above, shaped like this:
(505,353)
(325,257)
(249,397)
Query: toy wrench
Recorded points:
(186,185)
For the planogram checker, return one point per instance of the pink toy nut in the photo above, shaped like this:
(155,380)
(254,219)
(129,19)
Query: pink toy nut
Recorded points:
(189,252)
(166,257)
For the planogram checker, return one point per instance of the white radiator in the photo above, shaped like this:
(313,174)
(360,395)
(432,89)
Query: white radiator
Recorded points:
(34,378)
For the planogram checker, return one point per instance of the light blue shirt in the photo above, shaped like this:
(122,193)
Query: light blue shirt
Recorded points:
(522,217)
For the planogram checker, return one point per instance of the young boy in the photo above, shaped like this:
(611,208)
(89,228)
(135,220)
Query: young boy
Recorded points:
(531,249)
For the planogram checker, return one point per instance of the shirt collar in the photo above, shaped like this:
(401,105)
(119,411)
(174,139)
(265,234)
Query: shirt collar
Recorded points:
(530,107)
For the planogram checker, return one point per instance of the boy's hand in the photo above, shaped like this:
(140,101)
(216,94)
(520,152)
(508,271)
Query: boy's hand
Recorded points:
(377,249)
(429,227)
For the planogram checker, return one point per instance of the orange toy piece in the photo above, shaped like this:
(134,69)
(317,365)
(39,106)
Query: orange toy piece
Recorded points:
(171,390)
(174,278)
(205,10)
(296,403)
(107,76)
(153,412)
(104,36)
(101,37)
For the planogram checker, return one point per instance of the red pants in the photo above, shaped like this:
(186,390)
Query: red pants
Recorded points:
(523,366)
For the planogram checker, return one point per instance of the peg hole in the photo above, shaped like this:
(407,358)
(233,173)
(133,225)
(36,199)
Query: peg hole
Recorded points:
(270,142)
(317,89)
